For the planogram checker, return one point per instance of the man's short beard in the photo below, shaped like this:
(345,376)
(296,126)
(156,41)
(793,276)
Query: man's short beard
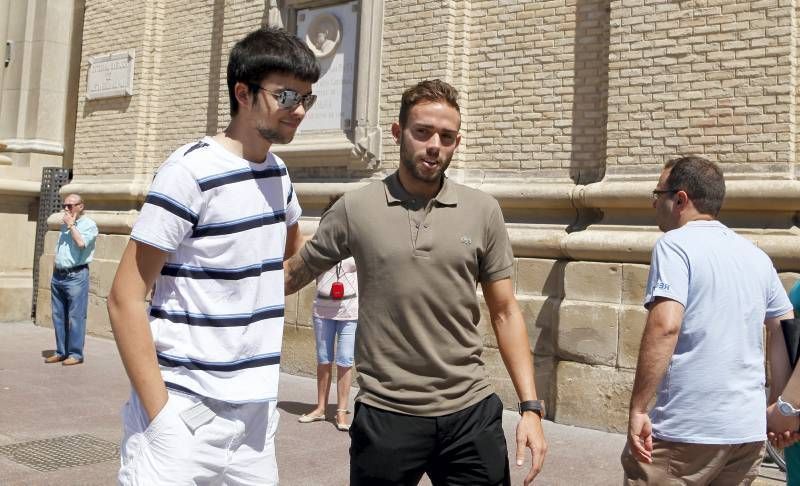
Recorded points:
(408,161)
(273,136)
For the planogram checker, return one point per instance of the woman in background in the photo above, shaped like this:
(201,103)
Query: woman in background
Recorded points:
(335,315)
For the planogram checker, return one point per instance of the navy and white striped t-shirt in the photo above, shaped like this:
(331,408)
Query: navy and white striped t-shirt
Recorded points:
(217,311)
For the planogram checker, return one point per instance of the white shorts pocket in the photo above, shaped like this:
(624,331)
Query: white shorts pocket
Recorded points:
(154,453)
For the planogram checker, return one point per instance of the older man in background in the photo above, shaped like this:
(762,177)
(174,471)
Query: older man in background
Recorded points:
(70,283)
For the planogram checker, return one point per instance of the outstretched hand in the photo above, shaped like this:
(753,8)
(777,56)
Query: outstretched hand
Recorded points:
(531,436)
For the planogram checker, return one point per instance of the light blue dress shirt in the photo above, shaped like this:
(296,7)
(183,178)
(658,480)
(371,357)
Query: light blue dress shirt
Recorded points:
(68,253)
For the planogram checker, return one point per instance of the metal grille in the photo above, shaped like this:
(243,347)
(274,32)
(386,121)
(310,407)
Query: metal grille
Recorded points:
(60,452)
(53,179)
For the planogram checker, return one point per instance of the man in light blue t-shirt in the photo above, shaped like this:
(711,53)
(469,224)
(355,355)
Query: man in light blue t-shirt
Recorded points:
(709,293)
(70,284)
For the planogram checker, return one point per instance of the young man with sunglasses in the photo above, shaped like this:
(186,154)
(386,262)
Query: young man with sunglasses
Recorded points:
(220,218)
(709,295)
(70,283)
(422,243)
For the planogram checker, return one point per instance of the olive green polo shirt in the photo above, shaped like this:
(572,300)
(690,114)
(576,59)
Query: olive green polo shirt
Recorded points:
(418,349)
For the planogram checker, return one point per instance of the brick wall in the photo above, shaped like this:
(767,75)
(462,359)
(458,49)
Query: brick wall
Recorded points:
(708,77)
(179,80)
(550,89)
(422,40)
(107,129)
(538,88)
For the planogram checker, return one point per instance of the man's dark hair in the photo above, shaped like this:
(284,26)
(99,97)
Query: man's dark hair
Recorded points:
(702,181)
(263,52)
(430,91)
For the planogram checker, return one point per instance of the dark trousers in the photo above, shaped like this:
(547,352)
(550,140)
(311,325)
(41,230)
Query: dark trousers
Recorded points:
(464,448)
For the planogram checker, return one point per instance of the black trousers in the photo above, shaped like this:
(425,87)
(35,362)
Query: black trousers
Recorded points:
(464,448)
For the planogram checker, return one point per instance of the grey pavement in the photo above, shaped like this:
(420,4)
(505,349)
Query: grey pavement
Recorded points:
(61,425)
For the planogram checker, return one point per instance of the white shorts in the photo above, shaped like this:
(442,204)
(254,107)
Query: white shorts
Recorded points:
(194,442)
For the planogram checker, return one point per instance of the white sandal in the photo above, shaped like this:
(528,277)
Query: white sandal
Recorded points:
(307,419)
(340,426)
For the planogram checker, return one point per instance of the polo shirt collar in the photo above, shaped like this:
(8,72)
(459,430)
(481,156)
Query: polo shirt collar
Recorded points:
(395,193)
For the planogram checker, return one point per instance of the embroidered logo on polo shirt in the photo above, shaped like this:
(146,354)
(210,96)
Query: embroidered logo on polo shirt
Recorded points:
(466,240)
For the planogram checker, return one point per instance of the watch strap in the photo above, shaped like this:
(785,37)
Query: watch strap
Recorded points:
(536,406)
(784,405)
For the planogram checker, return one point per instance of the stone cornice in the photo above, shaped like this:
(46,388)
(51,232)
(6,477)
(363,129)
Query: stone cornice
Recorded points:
(599,242)
(533,195)
(108,222)
(104,190)
(36,146)
(632,244)
(750,195)
(758,195)
(319,193)
(18,187)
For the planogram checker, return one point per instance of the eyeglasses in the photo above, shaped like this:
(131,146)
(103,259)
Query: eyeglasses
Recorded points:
(289,99)
(659,192)
(70,206)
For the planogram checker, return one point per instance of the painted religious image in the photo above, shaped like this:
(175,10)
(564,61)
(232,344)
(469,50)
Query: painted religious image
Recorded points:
(324,34)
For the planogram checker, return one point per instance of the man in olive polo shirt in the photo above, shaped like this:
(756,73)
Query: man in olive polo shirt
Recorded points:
(422,243)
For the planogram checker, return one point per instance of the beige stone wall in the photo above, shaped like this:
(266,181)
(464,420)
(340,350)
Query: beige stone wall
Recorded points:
(702,77)
(421,42)
(538,89)
(179,81)
(36,84)
(569,109)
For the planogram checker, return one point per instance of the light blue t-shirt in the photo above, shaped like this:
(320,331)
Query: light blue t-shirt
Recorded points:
(713,390)
(68,253)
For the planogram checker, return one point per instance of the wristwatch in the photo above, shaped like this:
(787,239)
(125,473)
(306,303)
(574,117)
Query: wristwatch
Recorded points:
(787,409)
(536,406)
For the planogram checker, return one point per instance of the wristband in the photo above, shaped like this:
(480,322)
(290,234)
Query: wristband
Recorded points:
(536,406)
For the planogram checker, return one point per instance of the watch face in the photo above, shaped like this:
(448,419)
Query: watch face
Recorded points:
(785,409)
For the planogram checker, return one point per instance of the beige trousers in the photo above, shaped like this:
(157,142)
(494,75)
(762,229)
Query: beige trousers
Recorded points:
(678,463)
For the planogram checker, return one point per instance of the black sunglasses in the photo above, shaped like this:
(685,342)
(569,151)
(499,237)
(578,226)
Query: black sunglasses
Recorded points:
(659,192)
(70,206)
(289,99)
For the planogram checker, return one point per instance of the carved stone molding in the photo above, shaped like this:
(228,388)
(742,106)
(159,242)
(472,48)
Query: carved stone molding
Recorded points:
(761,195)
(319,193)
(108,222)
(758,195)
(35,146)
(632,244)
(367,134)
(100,191)
(623,243)
(20,188)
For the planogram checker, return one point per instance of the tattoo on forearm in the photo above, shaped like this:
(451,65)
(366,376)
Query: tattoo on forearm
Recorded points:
(296,274)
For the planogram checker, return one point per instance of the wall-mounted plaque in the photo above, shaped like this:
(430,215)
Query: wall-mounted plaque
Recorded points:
(331,33)
(110,75)
(343,127)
